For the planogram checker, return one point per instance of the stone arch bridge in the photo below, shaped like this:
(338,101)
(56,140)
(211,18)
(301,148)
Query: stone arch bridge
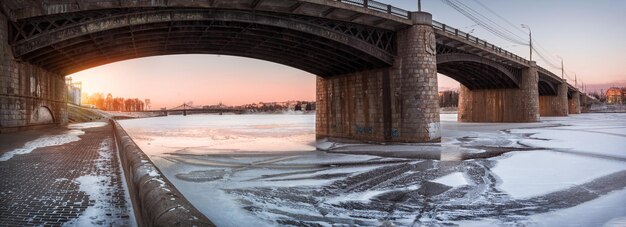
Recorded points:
(376,64)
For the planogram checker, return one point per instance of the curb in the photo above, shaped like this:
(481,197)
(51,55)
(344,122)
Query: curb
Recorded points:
(155,200)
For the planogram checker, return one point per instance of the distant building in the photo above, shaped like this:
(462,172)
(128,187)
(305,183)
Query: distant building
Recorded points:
(616,95)
(148,103)
(74,90)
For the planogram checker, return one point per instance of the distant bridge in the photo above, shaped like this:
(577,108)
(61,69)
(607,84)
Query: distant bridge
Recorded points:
(376,64)
(185,109)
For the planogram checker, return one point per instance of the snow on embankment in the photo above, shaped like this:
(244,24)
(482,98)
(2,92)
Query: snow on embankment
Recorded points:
(82,114)
(155,199)
(69,136)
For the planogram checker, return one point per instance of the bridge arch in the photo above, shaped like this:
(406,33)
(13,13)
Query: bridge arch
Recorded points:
(72,42)
(546,88)
(476,72)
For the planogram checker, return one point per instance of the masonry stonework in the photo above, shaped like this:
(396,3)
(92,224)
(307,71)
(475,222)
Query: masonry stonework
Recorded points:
(394,104)
(502,105)
(414,89)
(555,105)
(574,103)
(29,95)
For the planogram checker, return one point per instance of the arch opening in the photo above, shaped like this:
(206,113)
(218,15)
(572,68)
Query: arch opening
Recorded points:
(195,79)
(546,88)
(477,73)
(42,115)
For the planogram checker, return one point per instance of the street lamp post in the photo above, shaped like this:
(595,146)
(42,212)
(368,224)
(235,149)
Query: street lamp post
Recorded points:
(530,37)
(419,5)
(562,68)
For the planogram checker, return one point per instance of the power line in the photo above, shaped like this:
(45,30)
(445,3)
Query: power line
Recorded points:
(465,10)
(482,23)
(544,58)
(501,31)
(546,55)
(487,18)
(498,15)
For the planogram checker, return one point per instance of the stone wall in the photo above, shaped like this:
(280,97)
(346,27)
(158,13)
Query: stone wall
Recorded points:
(555,105)
(156,201)
(502,105)
(29,95)
(394,104)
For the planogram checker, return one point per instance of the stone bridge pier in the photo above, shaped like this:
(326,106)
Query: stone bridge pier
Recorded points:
(29,95)
(557,105)
(393,104)
(574,103)
(502,105)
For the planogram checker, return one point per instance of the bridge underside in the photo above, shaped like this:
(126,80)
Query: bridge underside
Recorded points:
(37,52)
(476,75)
(318,46)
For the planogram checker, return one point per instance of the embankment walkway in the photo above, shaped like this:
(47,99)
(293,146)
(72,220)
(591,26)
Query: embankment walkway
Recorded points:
(60,176)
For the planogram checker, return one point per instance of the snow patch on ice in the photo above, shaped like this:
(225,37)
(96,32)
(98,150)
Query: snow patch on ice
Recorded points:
(448,117)
(533,173)
(364,196)
(597,212)
(44,141)
(324,144)
(564,138)
(455,179)
(616,222)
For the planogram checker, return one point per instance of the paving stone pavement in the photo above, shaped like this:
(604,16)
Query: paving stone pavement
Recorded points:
(43,187)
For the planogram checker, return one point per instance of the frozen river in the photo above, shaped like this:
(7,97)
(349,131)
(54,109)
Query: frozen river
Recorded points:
(263,169)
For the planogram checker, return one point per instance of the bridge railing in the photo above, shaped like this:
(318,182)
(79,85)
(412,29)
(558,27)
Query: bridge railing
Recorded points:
(380,7)
(463,35)
(385,8)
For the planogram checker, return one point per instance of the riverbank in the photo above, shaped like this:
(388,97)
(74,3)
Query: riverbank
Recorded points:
(606,108)
(63,176)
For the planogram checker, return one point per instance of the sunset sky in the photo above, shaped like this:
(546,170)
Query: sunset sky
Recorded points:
(589,35)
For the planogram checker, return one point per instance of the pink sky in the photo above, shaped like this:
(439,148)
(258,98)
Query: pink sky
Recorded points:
(204,79)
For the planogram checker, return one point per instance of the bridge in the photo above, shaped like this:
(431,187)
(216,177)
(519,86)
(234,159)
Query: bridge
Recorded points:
(376,64)
(186,109)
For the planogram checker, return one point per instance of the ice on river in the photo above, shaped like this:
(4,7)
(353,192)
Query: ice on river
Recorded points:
(533,173)
(263,169)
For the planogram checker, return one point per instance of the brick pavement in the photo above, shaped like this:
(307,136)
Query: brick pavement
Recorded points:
(41,188)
